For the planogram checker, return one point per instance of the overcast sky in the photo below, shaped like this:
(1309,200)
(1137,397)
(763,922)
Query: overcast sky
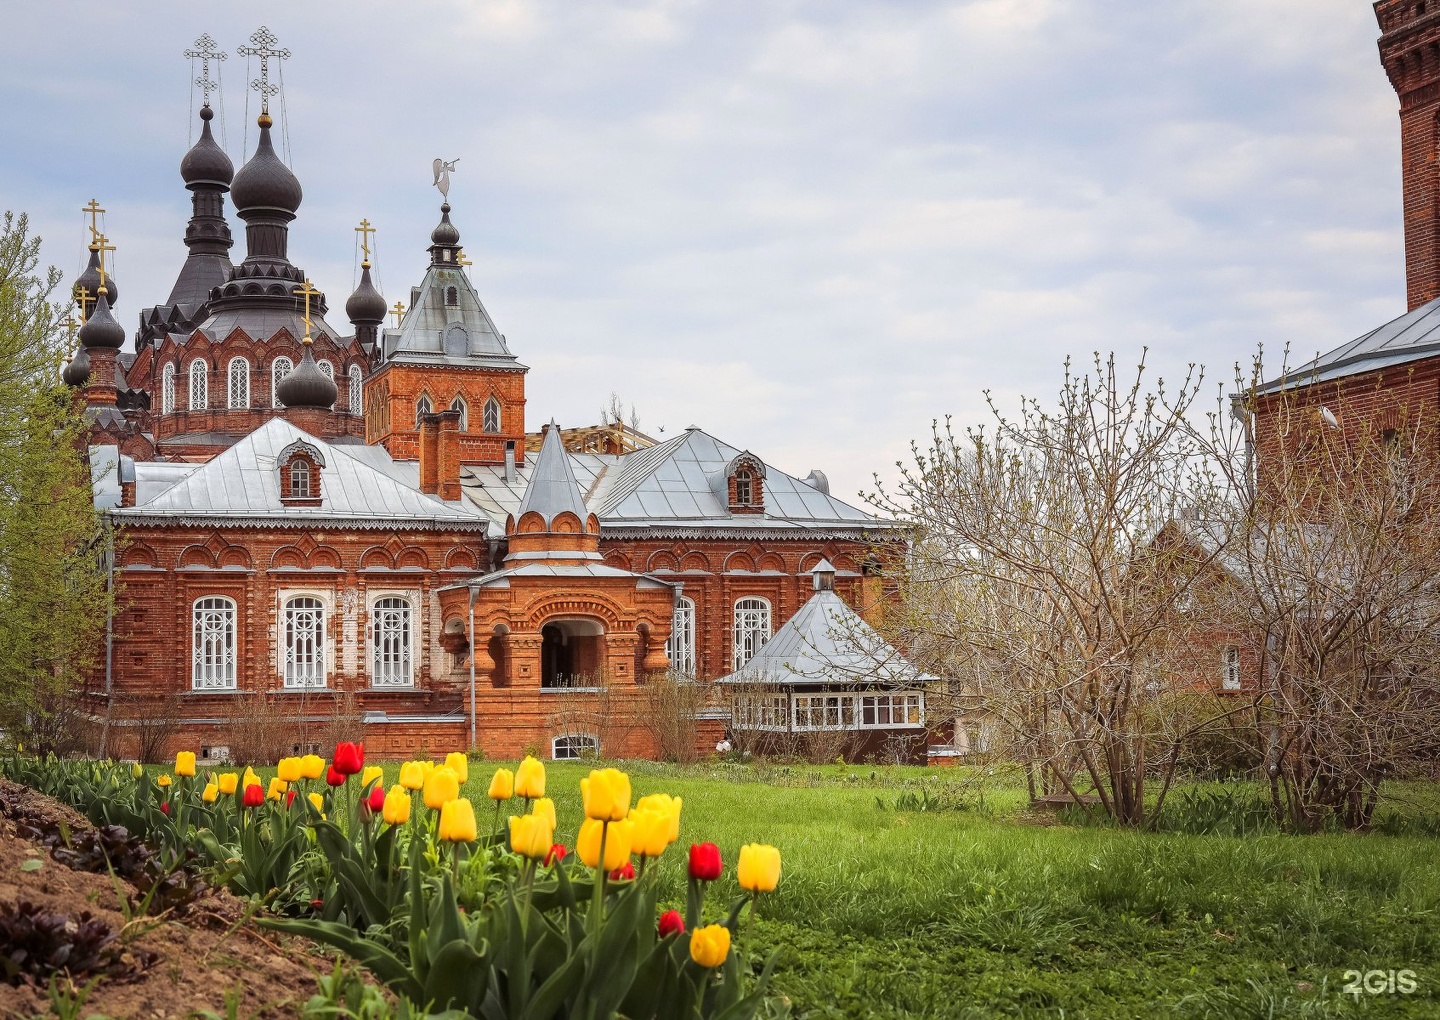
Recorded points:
(809,228)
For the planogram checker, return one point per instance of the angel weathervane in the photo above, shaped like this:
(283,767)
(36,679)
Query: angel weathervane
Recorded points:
(443,170)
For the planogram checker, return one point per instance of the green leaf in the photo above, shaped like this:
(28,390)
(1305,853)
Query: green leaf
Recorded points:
(457,978)
(33,864)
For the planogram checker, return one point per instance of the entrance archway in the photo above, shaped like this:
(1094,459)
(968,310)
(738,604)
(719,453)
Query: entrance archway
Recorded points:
(570,652)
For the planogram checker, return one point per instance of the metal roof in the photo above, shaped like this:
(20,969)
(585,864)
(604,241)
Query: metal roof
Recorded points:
(553,489)
(1412,336)
(501,578)
(436,333)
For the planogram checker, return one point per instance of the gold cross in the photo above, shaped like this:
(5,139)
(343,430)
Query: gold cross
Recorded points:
(93,210)
(461,260)
(399,312)
(102,245)
(365,230)
(82,295)
(309,291)
(70,324)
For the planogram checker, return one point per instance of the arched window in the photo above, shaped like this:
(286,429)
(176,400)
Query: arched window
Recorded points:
(328,371)
(357,386)
(299,479)
(239,382)
(452,296)
(752,628)
(744,488)
(680,649)
(279,369)
(575,745)
(492,415)
(167,389)
(199,385)
(458,404)
(391,642)
(213,655)
(302,648)
(422,408)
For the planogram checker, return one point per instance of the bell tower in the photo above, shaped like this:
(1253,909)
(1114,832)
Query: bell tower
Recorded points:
(1410,53)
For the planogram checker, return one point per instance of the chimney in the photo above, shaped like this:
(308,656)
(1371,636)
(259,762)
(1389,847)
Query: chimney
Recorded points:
(429,459)
(447,455)
(127,481)
(509,460)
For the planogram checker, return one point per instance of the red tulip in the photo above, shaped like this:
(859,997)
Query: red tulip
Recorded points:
(557,853)
(289,798)
(349,759)
(254,796)
(335,777)
(165,808)
(671,923)
(376,803)
(626,870)
(317,904)
(705,862)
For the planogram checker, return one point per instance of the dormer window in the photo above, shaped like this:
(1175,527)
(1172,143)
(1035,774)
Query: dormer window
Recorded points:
(745,484)
(452,296)
(300,466)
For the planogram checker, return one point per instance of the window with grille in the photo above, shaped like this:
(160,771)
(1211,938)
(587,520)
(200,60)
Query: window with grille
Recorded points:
(880,711)
(575,745)
(199,386)
(680,649)
(422,408)
(458,404)
(492,415)
(744,490)
(303,642)
(239,383)
(1230,675)
(300,479)
(391,642)
(279,369)
(752,628)
(357,385)
(824,711)
(761,712)
(213,659)
(167,389)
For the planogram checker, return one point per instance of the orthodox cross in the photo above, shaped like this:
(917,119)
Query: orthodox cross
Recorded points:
(263,46)
(93,210)
(82,298)
(70,324)
(461,260)
(102,245)
(309,291)
(205,51)
(365,230)
(399,312)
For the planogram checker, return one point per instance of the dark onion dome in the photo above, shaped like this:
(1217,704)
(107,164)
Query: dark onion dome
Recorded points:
(206,162)
(445,232)
(307,386)
(77,370)
(365,306)
(265,182)
(101,329)
(90,280)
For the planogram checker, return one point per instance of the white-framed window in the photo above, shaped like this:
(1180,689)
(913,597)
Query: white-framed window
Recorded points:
(575,745)
(761,712)
(390,631)
(199,385)
(302,642)
(1230,670)
(886,711)
(824,711)
(752,628)
(167,388)
(357,386)
(680,649)
(279,369)
(239,383)
(328,371)
(300,487)
(213,655)
(458,404)
(422,408)
(491,422)
(744,488)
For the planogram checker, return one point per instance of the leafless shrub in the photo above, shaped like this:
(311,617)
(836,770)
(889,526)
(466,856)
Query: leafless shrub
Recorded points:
(671,705)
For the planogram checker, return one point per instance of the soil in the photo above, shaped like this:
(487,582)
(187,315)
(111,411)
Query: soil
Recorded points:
(179,967)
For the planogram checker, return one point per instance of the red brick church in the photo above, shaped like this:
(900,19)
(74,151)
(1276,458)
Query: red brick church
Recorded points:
(313,517)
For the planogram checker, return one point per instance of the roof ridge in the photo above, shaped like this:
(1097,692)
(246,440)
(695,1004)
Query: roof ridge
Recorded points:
(647,462)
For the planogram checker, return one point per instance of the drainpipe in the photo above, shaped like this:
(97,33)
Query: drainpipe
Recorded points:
(472,668)
(109,638)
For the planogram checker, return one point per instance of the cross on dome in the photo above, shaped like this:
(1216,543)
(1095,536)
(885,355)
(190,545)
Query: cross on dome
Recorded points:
(263,46)
(205,50)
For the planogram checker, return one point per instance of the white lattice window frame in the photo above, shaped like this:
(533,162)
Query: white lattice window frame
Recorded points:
(823,712)
(680,647)
(279,369)
(393,668)
(491,418)
(357,387)
(891,710)
(213,630)
(458,404)
(199,385)
(167,389)
(422,408)
(752,628)
(305,667)
(573,746)
(762,712)
(238,389)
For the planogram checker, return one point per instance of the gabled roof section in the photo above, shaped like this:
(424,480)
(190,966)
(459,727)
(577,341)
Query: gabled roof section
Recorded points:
(827,642)
(1412,336)
(553,489)
(435,332)
(242,485)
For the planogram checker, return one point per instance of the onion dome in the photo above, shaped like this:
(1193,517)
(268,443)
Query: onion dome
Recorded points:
(206,162)
(445,232)
(90,280)
(77,370)
(101,329)
(265,182)
(365,306)
(307,386)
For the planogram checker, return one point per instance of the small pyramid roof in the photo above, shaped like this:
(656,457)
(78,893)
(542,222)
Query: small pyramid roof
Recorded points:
(553,489)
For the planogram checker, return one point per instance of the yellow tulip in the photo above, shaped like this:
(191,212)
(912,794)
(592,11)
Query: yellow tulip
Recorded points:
(457,819)
(288,770)
(210,793)
(759,868)
(397,806)
(312,766)
(412,776)
(277,787)
(427,767)
(650,832)
(184,763)
(531,835)
(530,778)
(709,946)
(163,781)
(617,843)
(545,808)
(318,801)
(250,779)
(441,787)
(458,764)
(606,794)
(668,806)
(227,782)
(502,785)
(136,770)
(372,772)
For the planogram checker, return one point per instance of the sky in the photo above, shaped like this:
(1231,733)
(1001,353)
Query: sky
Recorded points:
(810,228)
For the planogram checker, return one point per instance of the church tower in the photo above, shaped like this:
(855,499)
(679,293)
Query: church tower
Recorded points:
(1410,52)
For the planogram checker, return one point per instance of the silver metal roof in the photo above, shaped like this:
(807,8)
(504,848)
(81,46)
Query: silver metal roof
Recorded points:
(501,578)
(1412,336)
(553,489)
(436,333)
